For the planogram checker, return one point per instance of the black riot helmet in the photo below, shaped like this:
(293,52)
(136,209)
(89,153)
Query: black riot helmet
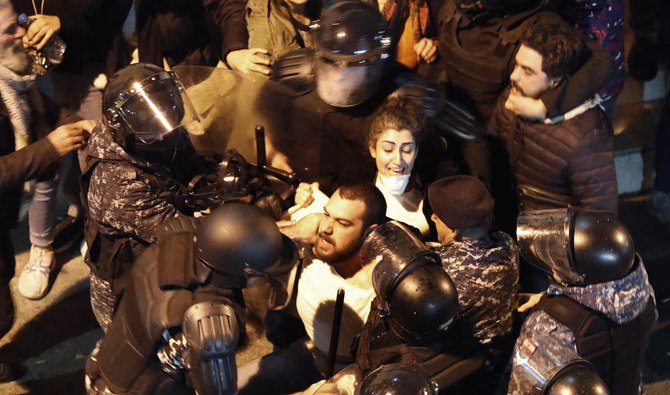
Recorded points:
(418,298)
(397,379)
(352,41)
(578,379)
(145,104)
(576,247)
(237,240)
(547,367)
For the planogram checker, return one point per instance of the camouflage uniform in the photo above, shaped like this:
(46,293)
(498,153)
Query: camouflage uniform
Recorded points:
(120,200)
(620,300)
(127,198)
(486,274)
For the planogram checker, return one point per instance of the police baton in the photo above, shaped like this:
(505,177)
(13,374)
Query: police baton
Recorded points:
(261,159)
(335,334)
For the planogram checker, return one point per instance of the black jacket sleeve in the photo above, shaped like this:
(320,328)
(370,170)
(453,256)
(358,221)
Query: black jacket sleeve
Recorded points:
(26,163)
(229,16)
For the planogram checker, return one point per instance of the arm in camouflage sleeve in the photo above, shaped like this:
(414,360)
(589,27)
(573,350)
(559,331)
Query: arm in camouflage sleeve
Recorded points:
(121,200)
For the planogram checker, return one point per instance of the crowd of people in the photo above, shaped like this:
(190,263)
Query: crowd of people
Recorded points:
(437,212)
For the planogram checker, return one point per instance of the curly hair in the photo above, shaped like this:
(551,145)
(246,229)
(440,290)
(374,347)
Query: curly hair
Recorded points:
(398,113)
(562,47)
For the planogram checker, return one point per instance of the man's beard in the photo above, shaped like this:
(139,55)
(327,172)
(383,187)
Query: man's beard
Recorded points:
(335,256)
(14,57)
(516,90)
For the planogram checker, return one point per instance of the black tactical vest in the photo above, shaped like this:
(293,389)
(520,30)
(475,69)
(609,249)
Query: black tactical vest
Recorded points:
(616,351)
(157,292)
(110,256)
(446,361)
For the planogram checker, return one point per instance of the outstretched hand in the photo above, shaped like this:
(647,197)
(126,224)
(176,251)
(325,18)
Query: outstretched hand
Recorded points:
(41,29)
(71,136)
(250,60)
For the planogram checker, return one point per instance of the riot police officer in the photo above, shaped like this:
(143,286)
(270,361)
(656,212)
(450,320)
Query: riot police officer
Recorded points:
(141,169)
(599,307)
(414,319)
(182,310)
(344,80)
(135,163)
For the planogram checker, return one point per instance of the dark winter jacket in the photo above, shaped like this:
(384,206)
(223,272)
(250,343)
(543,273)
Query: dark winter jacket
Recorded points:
(571,162)
(26,163)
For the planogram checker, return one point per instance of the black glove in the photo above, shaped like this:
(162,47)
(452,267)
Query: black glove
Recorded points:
(295,70)
(451,118)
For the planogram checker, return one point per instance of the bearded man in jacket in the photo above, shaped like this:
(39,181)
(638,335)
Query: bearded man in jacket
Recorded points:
(566,159)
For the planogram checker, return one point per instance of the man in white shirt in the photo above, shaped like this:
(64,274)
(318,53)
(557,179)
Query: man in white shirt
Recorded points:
(332,242)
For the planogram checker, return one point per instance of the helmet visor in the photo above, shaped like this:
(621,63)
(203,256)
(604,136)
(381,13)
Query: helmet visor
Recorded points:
(345,84)
(543,238)
(156,106)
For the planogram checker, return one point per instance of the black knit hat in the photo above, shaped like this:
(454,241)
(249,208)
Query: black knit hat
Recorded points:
(460,201)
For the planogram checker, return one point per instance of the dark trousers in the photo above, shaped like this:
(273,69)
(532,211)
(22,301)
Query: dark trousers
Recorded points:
(285,371)
(7,265)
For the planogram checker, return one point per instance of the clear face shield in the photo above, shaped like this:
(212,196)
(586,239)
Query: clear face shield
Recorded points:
(544,241)
(154,107)
(397,379)
(345,83)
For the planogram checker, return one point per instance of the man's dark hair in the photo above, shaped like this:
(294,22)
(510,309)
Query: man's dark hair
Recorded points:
(562,47)
(375,204)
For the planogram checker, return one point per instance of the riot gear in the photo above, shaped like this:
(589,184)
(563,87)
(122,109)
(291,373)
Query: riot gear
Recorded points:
(576,247)
(397,379)
(552,369)
(146,103)
(212,335)
(418,298)
(231,181)
(578,380)
(236,240)
(352,41)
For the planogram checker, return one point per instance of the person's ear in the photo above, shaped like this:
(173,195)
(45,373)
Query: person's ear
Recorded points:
(555,82)
(434,218)
(373,152)
(369,230)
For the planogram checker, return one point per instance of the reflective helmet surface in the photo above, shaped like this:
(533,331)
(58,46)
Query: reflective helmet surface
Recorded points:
(148,103)
(578,379)
(351,42)
(576,247)
(418,296)
(546,366)
(238,239)
(397,379)
(352,31)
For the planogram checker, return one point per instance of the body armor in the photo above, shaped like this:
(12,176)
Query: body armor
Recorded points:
(616,351)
